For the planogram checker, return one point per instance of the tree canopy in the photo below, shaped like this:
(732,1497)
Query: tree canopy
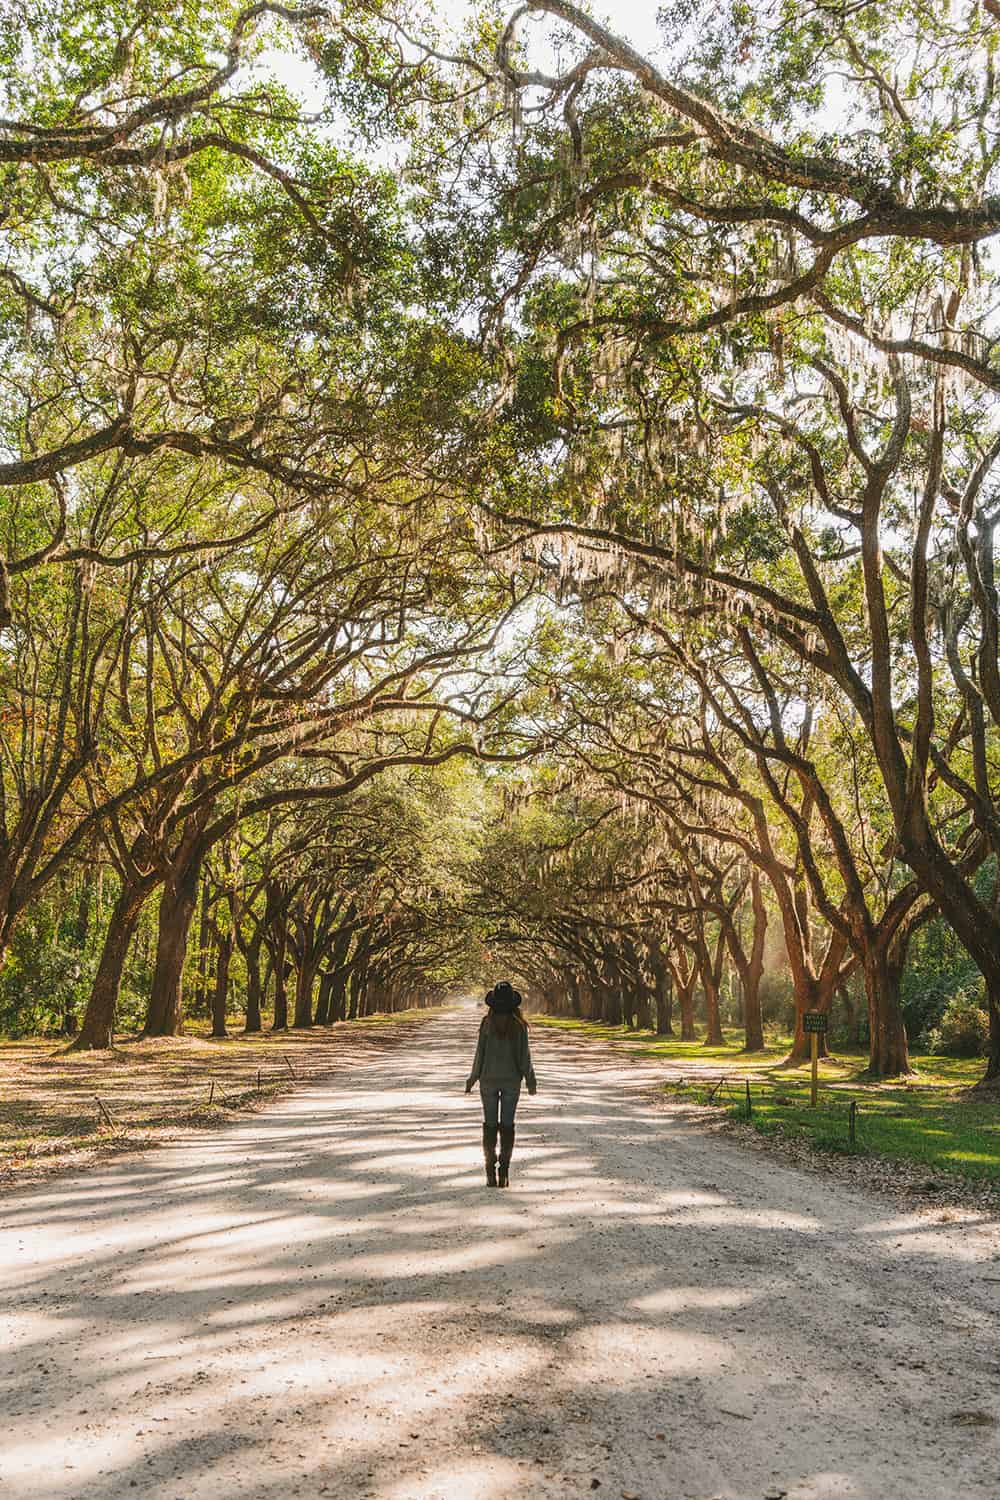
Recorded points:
(500,499)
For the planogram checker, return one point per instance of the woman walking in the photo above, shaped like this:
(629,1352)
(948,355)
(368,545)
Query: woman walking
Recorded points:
(503,1060)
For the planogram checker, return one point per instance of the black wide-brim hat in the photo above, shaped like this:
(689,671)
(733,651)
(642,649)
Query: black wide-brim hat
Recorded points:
(503,997)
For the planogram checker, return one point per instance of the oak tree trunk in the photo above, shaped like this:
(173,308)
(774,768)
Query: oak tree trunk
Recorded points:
(323,999)
(713,1020)
(164,1015)
(252,960)
(753,971)
(338,997)
(97,1029)
(991,1078)
(753,1020)
(280,1021)
(663,1000)
(809,995)
(303,1017)
(220,990)
(685,998)
(975,924)
(887,1047)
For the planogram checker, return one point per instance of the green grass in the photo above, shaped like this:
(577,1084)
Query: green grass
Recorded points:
(930,1119)
(942,1129)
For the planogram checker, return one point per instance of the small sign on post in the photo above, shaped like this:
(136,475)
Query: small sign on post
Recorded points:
(814,1025)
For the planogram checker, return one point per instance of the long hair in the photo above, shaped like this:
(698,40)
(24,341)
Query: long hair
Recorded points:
(502,1023)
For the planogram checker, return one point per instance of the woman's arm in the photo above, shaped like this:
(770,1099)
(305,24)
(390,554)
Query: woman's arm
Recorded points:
(477,1065)
(527,1071)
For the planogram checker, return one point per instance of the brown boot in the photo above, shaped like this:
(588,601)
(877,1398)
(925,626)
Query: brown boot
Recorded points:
(490,1153)
(506,1152)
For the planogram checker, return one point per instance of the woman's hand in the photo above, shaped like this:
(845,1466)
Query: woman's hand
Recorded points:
(532,1089)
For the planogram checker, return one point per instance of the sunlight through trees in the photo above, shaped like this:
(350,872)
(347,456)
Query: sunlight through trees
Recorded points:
(499,498)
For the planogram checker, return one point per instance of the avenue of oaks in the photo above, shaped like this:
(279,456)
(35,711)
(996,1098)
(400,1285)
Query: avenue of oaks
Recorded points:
(501,500)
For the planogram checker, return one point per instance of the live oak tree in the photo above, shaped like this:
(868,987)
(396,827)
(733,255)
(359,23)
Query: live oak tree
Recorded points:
(359,902)
(208,311)
(702,352)
(180,356)
(288,695)
(716,290)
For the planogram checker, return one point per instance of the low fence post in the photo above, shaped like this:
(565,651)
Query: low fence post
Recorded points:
(711,1097)
(106,1113)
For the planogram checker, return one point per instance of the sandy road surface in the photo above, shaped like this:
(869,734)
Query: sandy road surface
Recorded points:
(324,1300)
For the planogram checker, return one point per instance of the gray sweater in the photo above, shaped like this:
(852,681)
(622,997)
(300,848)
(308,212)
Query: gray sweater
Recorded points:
(503,1060)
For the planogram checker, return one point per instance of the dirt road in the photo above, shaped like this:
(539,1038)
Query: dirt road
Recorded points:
(325,1300)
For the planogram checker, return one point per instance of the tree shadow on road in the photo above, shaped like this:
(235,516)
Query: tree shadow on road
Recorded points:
(326,1299)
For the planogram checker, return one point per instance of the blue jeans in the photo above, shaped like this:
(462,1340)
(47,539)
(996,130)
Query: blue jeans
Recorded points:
(499,1103)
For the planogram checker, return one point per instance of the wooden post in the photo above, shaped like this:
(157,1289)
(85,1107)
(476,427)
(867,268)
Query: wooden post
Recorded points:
(852,1120)
(290,1068)
(106,1113)
(814,1022)
(749,1105)
(211,1092)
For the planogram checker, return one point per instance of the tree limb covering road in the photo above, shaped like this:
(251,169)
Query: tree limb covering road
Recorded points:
(325,1299)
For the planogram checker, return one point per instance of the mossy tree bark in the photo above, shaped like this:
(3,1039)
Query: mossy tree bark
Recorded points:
(178,901)
(220,989)
(97,1029)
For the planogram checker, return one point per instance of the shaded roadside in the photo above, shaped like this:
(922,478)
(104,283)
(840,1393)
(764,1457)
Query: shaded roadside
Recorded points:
(64,1110)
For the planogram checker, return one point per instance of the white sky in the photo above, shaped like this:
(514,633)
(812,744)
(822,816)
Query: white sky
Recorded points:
(628,18)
